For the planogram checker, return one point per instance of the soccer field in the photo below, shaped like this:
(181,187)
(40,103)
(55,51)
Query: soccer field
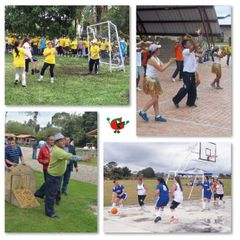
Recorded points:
(130,187)
(73,86)
(77,212)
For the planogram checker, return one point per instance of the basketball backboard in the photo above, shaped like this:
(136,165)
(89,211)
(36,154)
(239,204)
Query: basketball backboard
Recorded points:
(208,151)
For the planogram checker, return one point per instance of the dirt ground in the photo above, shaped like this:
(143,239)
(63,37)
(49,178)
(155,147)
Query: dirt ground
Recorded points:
(191,219)
(212,117)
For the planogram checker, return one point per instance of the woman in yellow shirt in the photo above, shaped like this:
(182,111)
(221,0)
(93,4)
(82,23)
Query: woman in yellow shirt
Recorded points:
(94,56)
(19,63)
(49,53)
(74,45)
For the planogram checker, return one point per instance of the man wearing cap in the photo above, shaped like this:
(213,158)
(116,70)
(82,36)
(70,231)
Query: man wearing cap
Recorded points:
(56,169)
(179,60)
(189,69)
(94,56)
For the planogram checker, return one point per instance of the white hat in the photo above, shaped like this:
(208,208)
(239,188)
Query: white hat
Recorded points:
(58,136)
(154,47)
(94,40)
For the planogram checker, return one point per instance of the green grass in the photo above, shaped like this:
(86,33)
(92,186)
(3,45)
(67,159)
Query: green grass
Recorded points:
(72,85)
(75,213)
(130,187)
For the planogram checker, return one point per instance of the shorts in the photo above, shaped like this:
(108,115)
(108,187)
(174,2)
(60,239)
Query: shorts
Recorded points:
(174,204)
(217,69)
(215,196)
(162,203)
(140,71)
(152,86)
(220,196)
(19,70)
(207,195)
(124,196)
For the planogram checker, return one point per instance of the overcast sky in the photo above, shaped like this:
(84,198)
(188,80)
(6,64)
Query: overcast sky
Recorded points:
(43,118)
(164,157)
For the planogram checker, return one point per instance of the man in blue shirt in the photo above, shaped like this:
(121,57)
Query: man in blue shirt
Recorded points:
(13,153)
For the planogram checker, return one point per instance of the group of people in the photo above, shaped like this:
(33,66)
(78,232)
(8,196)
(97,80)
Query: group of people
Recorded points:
(189,52)
(58,158)
(163,195)
(26,51)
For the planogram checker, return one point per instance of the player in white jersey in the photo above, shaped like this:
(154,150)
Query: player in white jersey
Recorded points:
(141,191)
(177,195)
(219,192)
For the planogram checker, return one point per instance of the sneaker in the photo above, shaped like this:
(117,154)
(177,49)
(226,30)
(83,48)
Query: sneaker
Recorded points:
(157,219)
(194,105)
(173,220)
(139,89)
(51,81)
(16,82)
(219,87)
(32,72)
(97,73)
(173,80)
(212,85)
(144,116)
(160,119)
(40,79)
(23,86)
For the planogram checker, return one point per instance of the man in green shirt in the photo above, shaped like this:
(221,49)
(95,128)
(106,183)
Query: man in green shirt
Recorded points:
(56,169)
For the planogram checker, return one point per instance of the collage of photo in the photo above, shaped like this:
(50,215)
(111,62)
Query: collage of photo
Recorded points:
(89,149)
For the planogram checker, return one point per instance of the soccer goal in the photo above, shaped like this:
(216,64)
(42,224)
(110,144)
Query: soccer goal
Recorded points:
(106,33)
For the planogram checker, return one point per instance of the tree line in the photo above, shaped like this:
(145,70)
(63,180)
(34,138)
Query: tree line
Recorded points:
(55,21)
(73,125)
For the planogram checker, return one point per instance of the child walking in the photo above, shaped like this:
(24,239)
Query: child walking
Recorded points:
(49,53)
(19,55)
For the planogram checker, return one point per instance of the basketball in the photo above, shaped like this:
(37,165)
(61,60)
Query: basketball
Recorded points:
(114,210)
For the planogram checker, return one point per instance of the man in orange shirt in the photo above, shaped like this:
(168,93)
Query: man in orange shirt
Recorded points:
(179,61)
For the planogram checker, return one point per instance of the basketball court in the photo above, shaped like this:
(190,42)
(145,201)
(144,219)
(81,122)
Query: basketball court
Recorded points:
(191,219)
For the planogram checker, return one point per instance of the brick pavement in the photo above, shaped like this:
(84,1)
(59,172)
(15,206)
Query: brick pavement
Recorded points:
(212,117)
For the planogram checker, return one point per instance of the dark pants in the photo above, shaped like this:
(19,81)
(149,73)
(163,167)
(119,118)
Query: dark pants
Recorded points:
(141,199)
(189,87)
(53,185)
(228,58)
(42,190)
(93,62)
(27,61)
(34,153)
(66,178)
(60,50)
(45,66)
(179,70)
(35,50)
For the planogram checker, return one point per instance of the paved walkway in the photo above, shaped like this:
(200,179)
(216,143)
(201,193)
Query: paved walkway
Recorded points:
(85,173)
(212,117)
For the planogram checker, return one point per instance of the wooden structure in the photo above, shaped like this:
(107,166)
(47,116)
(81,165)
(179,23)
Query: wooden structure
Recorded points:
(20,184)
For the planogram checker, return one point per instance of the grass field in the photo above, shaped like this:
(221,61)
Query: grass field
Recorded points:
(75,212)
(73,86)
(130,187)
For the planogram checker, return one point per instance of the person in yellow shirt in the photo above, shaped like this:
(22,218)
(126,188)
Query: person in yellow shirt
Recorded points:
(61,43)
(85,47)
(67,46)
(19,55)
(74,46)
(49,54)
(229,51)
(94,57)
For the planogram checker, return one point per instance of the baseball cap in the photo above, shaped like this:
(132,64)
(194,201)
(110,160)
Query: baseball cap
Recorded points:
(154,47)
(58,136)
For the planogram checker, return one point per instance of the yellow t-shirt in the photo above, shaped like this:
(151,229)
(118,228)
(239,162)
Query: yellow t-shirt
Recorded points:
(229,49)
(61,42)
(51,57)
(94,52)
(85,44)
(67,42)
(10,40)
(74,44)
(34,41)
(103,45)
(19,61)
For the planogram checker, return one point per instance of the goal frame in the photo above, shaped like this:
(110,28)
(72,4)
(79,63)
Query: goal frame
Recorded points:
(109,24)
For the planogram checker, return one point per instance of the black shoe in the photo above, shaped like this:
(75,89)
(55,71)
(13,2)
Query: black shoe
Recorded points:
(38,196)
(16,82)
(157,219)
(176,104)
(32,72)
(194,105)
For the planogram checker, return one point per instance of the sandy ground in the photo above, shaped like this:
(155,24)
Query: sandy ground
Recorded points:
(191,219)
(85,173)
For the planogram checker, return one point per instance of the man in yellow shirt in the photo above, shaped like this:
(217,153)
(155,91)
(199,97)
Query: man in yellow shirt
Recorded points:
(49,53)
(61,44)
(94,57)
(74,45)
(85,48)
(229,51)
(67,46)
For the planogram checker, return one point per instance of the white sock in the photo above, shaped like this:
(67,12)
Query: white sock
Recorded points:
(204,205)
(113,205)
(159,212)
(24,79)
(120,208)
